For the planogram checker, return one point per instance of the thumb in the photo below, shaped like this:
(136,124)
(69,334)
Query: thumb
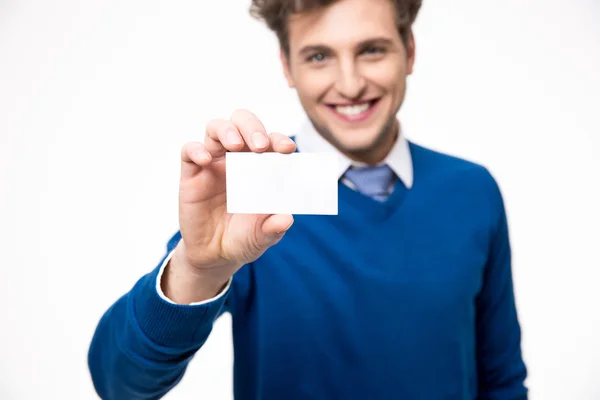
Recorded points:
(274,227)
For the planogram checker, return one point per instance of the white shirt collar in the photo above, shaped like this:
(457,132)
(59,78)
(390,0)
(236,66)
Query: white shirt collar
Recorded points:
(399,158)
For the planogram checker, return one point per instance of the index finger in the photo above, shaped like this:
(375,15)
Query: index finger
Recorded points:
(222,136)
(251,129)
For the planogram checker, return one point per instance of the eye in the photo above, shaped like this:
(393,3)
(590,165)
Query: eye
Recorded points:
(317,57)
(373,50)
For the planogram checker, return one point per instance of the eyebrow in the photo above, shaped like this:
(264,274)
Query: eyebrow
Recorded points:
(318,48)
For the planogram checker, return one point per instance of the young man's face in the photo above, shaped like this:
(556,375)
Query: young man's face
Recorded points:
(349,66)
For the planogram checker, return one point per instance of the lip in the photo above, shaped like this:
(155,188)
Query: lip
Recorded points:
(358,117)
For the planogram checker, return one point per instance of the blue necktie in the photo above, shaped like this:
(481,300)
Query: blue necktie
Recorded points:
(374,182)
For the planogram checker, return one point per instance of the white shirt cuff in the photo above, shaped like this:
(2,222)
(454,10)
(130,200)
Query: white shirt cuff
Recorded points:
(165,298)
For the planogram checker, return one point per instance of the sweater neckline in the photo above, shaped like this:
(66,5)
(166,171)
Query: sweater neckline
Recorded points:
(371,207)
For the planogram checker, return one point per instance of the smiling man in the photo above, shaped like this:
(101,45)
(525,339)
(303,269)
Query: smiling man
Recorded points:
(406,294)
(349,66)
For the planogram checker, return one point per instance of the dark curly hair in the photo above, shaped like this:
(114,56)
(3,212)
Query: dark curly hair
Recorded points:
(275,14)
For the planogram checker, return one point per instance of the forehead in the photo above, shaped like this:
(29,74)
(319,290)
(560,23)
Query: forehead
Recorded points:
(343,23)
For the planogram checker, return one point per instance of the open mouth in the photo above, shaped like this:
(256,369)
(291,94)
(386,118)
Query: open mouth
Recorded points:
(354,112)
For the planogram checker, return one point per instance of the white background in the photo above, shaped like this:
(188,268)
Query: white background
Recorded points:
(96,99)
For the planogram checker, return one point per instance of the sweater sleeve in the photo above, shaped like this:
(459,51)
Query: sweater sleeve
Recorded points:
(501,369)
(143,343)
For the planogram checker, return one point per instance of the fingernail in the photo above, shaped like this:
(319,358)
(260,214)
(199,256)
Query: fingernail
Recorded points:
(234,138)
(286,228)
(259,140)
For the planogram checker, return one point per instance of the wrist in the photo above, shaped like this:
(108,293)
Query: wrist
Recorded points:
(183,283)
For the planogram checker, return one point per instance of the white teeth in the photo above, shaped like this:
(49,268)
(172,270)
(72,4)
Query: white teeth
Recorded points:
(353,110)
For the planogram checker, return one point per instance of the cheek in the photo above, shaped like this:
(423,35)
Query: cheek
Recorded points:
(312,85)
(389,76)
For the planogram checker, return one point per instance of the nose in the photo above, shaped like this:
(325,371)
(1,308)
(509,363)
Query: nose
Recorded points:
(350,83)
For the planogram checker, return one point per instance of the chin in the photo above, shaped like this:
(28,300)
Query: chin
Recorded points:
(367,143)
(362,132)
(359,141)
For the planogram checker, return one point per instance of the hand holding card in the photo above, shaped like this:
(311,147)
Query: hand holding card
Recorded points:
(216,243)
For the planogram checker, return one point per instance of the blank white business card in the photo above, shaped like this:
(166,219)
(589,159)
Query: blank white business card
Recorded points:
(274,183)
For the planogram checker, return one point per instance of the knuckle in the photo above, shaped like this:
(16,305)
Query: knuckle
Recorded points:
(240,113)
(185,149)
(211,124)
(245,118)
(216,127)
(189,147)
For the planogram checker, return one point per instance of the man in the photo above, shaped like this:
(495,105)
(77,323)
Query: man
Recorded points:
(406,294)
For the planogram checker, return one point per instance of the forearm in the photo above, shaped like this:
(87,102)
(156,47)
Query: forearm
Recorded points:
(121,369)
(142,344)
(501,369)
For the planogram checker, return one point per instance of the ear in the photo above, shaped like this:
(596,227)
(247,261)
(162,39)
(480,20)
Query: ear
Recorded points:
(286,68)
(410,52)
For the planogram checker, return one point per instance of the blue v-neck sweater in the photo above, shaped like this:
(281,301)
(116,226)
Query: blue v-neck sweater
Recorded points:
(407,299)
